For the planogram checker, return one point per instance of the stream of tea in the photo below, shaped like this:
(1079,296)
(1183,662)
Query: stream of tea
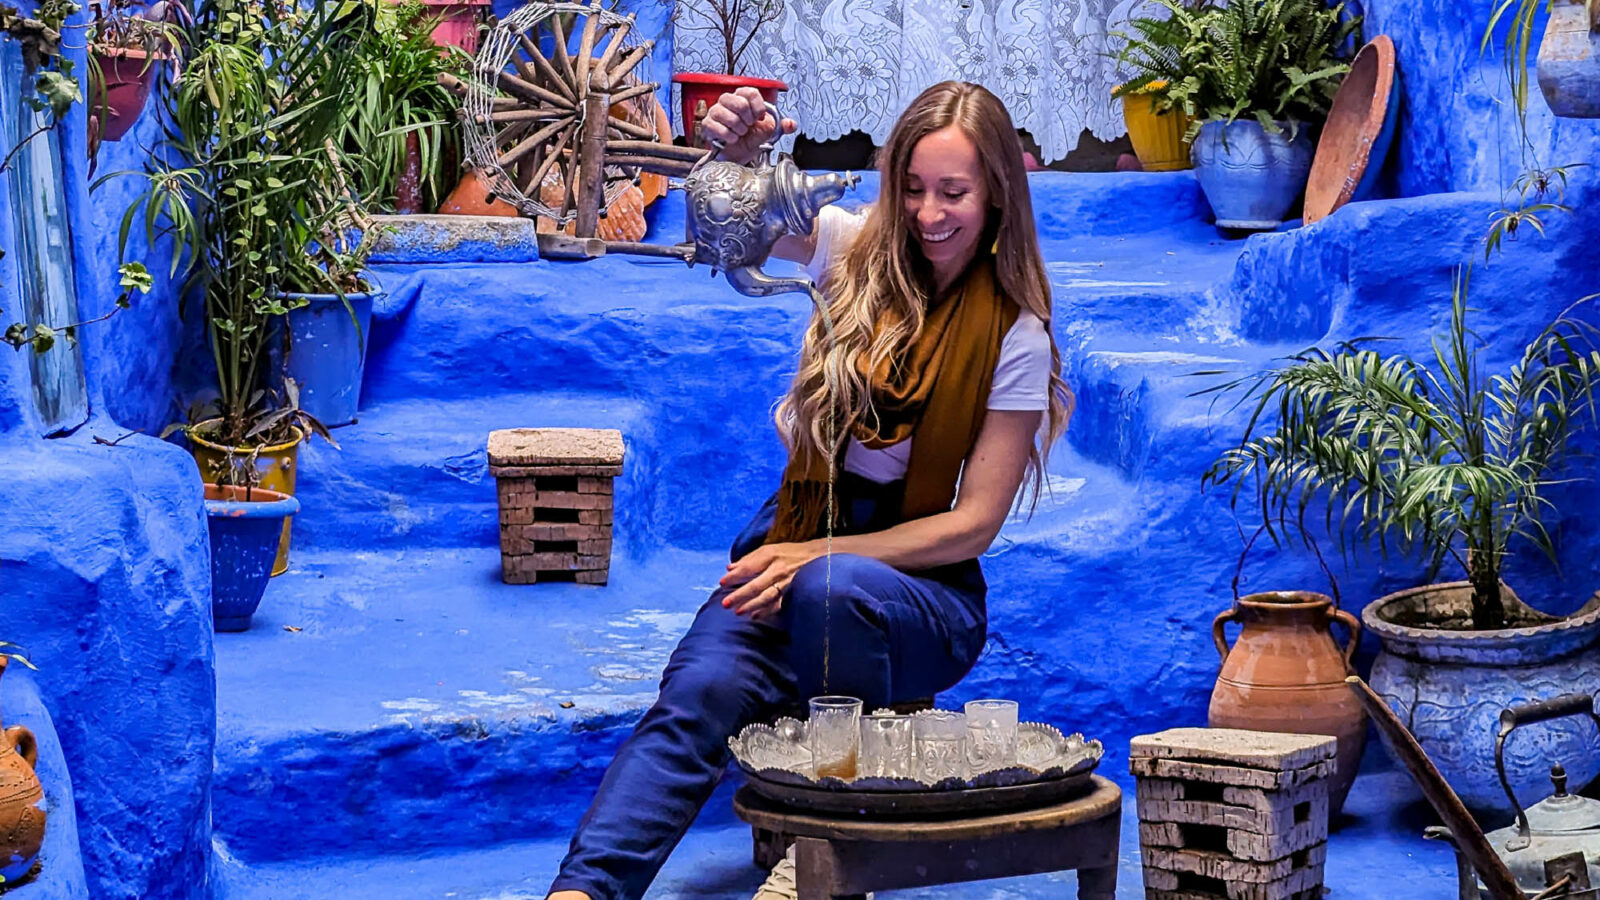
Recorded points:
(833,412)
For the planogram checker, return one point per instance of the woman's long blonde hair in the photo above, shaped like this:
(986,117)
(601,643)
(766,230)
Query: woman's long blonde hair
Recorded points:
(879,288)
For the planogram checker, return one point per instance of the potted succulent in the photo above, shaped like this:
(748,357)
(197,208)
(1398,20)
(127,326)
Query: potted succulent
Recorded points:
(734,24)
(1450,463)
(126,48)
(1258,75)
(247,181)
(1157,126)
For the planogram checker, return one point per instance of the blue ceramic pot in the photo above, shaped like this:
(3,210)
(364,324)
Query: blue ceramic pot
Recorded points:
(1250,177)
(1449,687)
(326,353)
(245,525)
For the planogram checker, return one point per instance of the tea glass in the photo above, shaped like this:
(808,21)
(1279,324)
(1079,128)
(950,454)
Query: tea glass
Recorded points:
(991,735)
(887,750)
(941,737)
(835,736)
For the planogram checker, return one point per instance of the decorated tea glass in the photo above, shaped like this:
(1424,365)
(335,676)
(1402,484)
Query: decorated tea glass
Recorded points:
(991,735)
(887,749)
(835,736)
(941,738)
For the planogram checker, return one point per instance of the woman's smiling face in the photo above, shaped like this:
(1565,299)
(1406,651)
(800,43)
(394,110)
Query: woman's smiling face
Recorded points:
(946,201)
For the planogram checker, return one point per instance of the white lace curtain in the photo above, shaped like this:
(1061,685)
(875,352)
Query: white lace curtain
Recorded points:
(856,64)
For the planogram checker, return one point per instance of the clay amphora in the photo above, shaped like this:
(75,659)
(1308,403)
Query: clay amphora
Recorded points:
(1286,674)
(21,801)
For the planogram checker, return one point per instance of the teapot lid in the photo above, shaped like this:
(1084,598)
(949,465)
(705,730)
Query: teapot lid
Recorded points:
(1563,812)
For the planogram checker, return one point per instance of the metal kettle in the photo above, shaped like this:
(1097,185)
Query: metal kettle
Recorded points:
(1553,847)
(737,212)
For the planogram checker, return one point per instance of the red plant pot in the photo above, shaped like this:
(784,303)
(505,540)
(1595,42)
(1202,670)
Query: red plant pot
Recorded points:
(704,88)
(457,22)
(118,93)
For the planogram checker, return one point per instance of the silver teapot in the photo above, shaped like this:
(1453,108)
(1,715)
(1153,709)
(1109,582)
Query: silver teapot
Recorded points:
(737,212)
(1553,847)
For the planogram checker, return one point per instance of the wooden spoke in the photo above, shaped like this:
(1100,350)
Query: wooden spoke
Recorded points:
(629,62)
(629,129)
(655,164)
(528,115)
(555,155)
(638,90)
(530,91)
(563,59)
(533,140)
(586,47)
(655,149)
(610,54)
(551,76)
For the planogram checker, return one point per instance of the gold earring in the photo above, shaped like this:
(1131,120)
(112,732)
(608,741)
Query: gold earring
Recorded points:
(995,250)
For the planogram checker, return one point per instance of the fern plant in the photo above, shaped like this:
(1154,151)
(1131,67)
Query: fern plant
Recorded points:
(1444,460)
(1277,61)
(1154,51)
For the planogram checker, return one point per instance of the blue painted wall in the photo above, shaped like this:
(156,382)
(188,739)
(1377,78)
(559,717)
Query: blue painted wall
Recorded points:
(104,566)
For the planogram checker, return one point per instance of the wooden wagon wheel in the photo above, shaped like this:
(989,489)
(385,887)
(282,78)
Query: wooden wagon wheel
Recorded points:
(556,97)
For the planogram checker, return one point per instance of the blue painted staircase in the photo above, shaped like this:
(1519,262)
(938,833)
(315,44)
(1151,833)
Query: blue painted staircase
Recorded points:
(398,723)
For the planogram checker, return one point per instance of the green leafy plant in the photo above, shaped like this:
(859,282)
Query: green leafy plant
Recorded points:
(124,24)
(1273,60)
(1445,459)
(399,100)
(250,182)
(42,337)
(735,23)
(39,37)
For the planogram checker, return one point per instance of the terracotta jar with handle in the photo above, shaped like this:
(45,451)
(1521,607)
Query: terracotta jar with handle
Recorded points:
(1286,674)
(21,801)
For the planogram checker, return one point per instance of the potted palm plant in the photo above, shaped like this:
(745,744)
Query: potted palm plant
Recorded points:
(1258,75)
(733,24)
(1442,460)
(247,180)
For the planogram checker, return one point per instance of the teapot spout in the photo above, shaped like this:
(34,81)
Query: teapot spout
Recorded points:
(752,282)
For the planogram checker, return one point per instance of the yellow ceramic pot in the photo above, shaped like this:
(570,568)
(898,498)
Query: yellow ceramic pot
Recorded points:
(274,468)
(1157,137)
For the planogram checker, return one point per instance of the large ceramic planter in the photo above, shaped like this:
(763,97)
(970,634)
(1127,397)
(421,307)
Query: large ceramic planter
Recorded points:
(323,347)
(1569,61)
(274,470)
(1449,687)
(119,88)
(1157,137)
(1356,138)
(245,525)
(22,806)
(1285,674)
(700,92)
(1251,177)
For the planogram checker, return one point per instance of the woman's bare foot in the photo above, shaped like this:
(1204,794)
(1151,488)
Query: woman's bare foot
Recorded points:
(569,895)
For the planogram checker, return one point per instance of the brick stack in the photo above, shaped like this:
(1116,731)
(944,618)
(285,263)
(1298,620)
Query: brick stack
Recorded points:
(555,487)
(1232,815)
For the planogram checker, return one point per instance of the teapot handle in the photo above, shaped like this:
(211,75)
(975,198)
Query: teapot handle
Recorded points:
(1524,714)
(718,146)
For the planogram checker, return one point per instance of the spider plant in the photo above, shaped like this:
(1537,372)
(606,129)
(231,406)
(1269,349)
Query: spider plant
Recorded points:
(249,183)
(1441,459)
(398,100)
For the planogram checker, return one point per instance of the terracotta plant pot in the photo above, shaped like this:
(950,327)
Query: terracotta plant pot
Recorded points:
(1157,136)
(1285,674)
(701,90)
(471,198)
(22,808)
(119,88)
(458,22)
(1569,60)
(274,470)
(1356,139)
(1449,687)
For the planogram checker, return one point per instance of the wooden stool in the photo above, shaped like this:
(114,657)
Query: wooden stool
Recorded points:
(1232,815)
(845,858)
(555,490)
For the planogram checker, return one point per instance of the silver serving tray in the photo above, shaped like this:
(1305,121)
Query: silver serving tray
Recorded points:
(778,754)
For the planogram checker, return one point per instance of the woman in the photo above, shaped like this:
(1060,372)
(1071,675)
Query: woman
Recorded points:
(942,366)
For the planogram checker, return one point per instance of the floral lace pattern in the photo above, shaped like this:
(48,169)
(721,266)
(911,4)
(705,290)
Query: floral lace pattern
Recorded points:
(856,64)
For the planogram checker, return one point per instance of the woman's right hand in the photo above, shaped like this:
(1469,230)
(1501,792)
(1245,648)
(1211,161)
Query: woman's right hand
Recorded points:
(742,122)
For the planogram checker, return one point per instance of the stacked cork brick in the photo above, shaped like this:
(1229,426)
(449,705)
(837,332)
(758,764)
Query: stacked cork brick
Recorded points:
(555,487)
(1232,815)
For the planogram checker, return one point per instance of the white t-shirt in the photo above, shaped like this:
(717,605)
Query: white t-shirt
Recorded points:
(1021,374)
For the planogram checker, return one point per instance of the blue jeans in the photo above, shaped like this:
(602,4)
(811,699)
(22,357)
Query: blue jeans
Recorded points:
(892,637)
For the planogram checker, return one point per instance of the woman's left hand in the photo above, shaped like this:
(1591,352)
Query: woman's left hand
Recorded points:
(762,575)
